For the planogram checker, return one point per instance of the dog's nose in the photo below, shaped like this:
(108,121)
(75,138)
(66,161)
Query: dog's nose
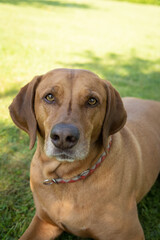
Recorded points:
(64,136)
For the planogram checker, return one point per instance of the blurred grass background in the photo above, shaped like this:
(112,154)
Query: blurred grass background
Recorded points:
(118,40)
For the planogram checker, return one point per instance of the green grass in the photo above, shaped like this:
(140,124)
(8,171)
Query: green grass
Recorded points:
(153,2)
(120,41)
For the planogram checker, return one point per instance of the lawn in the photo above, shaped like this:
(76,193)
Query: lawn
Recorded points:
(118,40)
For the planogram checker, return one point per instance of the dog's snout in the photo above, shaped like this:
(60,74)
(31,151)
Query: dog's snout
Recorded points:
(64,136)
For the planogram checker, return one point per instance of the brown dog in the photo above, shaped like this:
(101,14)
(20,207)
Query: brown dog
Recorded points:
(76,186)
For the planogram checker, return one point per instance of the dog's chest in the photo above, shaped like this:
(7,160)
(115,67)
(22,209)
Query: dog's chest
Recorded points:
(71,215)
(80,211)
(77,208)
(73,212)
(84,219)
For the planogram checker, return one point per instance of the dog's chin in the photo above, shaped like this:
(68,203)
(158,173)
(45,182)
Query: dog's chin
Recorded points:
(70,155)
(60,156)
(64,158)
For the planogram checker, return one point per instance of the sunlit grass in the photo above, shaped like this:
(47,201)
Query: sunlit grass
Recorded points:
(120,41)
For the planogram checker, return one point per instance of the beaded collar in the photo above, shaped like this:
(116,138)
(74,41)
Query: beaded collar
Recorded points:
(82,175)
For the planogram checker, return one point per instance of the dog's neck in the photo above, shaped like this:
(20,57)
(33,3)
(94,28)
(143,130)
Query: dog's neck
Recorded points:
(52,168)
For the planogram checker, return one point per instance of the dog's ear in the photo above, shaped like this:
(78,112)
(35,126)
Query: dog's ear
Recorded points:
(22,109)
(116,116)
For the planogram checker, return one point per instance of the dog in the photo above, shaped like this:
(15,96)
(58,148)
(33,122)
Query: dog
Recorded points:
(97,155)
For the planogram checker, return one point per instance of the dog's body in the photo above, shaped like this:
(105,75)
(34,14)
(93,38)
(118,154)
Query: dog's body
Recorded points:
(103,205)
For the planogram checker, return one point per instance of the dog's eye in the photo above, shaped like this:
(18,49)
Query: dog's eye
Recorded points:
(92,101)
(50,98)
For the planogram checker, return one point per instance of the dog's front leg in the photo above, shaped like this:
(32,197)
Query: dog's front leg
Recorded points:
(41,230)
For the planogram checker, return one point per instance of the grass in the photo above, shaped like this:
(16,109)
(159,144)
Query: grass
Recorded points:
(117,40)
(153,2)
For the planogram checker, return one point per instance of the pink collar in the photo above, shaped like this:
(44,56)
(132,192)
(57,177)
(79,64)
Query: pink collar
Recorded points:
(82,175)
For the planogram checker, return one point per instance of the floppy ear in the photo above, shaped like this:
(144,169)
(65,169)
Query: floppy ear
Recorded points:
(22,109)
(116,115)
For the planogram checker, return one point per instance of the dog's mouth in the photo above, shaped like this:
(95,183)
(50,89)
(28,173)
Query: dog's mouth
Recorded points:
(64,157)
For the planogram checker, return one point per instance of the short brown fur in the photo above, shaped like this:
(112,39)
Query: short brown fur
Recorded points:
(104,205)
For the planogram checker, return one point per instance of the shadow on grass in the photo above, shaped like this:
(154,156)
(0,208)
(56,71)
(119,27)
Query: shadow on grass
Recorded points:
(131,76)
(151,2)
(149,213)
(9,92)
(16,204)
(43,3)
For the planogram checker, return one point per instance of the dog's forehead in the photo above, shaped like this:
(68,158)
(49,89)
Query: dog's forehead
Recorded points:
(71,80)
(62,75)
(75,79)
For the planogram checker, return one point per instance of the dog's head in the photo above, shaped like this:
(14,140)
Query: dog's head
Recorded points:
(72,110)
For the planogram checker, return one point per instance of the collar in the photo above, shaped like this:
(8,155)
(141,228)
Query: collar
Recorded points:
(84,174)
